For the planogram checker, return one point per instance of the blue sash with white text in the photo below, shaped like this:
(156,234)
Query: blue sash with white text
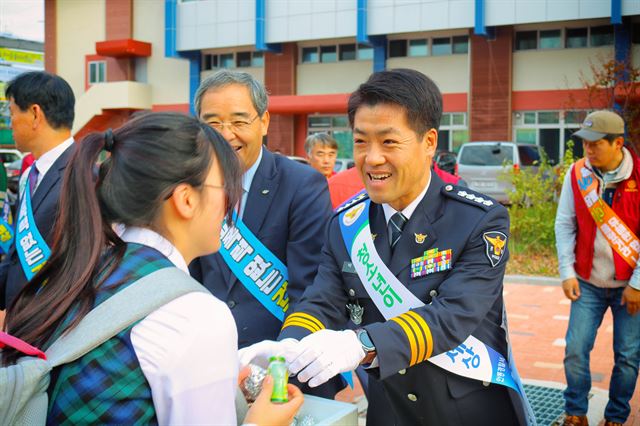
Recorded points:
(472,358)
(32,249)
(258,269)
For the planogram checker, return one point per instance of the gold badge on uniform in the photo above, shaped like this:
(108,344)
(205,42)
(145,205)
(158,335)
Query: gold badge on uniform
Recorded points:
(496,242)
(420,238)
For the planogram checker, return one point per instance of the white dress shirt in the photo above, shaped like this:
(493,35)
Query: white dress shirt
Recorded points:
(45,162)
(187,350)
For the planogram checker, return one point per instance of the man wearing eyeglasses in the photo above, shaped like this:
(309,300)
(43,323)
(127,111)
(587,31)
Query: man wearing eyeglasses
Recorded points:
(263,269)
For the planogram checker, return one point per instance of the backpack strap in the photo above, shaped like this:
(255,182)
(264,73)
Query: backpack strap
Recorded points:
(120,311)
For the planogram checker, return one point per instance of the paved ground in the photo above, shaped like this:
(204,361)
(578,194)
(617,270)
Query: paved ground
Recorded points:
(538,314)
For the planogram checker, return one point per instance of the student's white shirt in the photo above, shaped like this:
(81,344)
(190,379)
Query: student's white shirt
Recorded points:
(187,350)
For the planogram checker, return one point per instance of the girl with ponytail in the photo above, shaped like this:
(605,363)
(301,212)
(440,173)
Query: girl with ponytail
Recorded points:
(167,184)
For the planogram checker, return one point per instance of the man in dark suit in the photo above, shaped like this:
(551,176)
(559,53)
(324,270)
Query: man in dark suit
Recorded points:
(285,205)
(42,111)
(417,266)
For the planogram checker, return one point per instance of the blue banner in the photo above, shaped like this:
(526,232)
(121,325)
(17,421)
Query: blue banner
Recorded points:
(32,249)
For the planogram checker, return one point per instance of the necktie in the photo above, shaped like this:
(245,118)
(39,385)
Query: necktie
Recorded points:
(33,178)
(396,223)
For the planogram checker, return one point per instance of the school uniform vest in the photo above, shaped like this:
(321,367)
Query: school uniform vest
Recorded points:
(107,385)
(626,204)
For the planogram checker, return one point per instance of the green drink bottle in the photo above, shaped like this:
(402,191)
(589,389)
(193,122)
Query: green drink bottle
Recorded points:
(278,370)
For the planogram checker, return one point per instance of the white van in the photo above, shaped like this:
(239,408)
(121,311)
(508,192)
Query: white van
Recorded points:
(482,163)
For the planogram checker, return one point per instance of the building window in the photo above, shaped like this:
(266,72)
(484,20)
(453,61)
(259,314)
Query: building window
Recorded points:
(365,52)
(243,59)
(635,33)
(551,39)
(226,60)
(601,36)
(232,60)
(453,131)
(347,52)
(441,46)
(338,127)
(551,130)
(460,44)
(397,48)
(334,53)
(257,59)
(576,37)
(97,72)
(310,55)
(328,54)
(419,47)
(526,40)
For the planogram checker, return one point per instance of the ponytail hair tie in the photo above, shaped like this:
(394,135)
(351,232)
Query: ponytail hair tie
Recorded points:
(108,140)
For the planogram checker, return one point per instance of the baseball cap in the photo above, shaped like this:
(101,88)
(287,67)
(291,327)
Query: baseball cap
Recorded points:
(598,124)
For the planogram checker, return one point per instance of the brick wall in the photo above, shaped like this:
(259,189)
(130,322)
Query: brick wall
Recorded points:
(491,82)
(280,79)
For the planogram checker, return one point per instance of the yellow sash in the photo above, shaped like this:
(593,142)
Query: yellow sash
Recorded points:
(618,235)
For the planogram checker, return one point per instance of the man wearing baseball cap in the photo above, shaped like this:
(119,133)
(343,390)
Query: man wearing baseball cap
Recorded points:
(597,227)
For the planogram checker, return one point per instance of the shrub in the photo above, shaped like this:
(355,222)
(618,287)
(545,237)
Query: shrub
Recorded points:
(533,203)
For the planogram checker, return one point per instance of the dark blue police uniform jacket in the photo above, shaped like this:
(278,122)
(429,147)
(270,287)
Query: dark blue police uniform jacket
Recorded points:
(45,208)
(288,208)
(465,300)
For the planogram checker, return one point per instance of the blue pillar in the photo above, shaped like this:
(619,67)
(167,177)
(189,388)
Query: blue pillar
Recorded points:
(479,25)
(362,36)
(379,44)
(616,12)
(171,51)
(622,46)
(261,29)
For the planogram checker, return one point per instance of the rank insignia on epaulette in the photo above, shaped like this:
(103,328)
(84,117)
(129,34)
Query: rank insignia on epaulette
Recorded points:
(496,242)
(476,198)
(431,261)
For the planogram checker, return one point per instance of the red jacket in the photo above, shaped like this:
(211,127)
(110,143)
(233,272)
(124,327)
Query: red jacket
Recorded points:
(626,204)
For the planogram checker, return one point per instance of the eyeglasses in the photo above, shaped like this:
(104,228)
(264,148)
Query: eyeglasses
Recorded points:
(234,126)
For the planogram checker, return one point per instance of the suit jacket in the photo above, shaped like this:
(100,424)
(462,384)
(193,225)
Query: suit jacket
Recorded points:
(45,209)
(464,300)
(288,208)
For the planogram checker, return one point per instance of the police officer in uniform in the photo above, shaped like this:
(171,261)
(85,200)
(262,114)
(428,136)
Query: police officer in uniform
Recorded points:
(415,219)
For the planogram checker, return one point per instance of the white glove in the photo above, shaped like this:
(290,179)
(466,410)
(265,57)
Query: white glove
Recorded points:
(326,353)
(259,353)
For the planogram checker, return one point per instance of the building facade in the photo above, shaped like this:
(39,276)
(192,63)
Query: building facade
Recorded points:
(16,56)
(508,70)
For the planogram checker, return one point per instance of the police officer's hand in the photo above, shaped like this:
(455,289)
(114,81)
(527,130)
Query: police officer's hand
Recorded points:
(631,298)
(265,412)
(259,353)
(326,353)
(571,288)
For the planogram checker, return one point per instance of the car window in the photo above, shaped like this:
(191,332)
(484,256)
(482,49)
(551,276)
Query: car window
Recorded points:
(486,155)
(8,157)
(529,155)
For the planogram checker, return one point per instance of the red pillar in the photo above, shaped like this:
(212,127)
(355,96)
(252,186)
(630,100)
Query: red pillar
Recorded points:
(491,82)
(280,79)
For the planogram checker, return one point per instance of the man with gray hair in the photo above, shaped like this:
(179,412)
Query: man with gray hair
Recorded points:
(272,251)
(322,151)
